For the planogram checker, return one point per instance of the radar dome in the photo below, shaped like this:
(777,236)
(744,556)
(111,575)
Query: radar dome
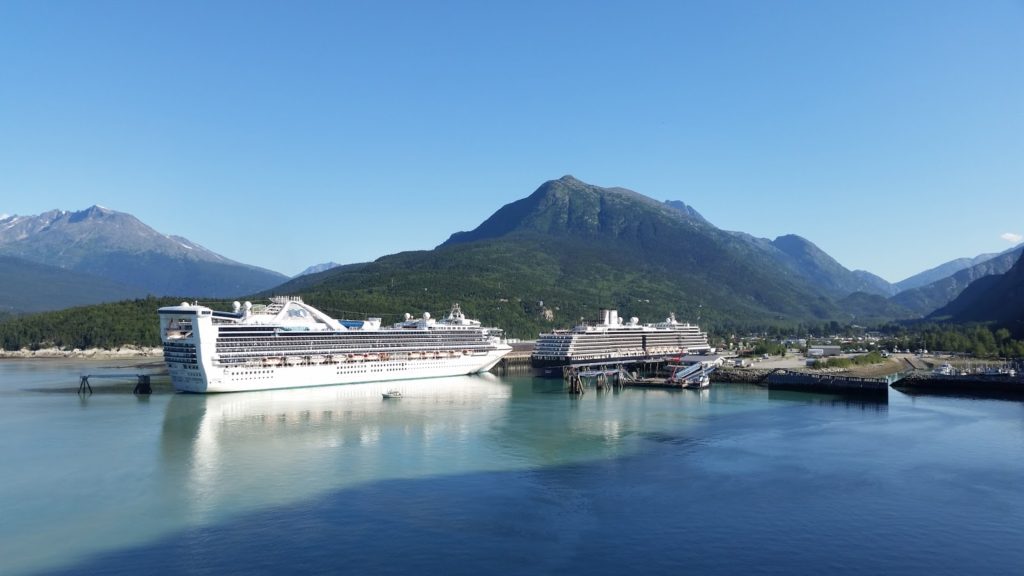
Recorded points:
(426,315)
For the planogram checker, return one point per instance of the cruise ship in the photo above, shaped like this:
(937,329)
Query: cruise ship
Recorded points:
(290,344)
(614,339)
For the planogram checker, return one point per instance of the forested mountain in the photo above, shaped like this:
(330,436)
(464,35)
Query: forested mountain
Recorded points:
(570,248)
(998,299)
(121,249)
(99,326)
(318,268)
(823,271)
(927,299)
(32,287)
(940,272)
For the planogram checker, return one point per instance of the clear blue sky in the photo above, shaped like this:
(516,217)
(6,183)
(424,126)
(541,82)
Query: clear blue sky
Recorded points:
(283,134)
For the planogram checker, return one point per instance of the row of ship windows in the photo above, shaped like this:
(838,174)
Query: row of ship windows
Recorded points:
(359,337)
(626,338)
(342,345)
(604,345)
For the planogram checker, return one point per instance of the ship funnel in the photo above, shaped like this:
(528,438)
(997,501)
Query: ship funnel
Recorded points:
(613,317)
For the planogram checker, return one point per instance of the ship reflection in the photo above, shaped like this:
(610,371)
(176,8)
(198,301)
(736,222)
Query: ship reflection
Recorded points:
(235,451)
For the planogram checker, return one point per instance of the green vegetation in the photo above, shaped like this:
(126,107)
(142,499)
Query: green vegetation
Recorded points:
(863,360)
(975,339)
(554,259)
(102,326)
(770,348)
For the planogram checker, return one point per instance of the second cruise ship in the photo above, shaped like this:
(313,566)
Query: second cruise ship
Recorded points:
(614,339)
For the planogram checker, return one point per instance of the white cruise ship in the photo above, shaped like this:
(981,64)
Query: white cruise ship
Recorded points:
(290,344)
(615,340)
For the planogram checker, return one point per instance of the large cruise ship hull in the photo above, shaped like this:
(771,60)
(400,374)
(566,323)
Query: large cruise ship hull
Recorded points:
(239,379)
(295,345)
(547,364)
(614,341)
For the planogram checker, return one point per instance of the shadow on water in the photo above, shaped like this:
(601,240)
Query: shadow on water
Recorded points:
(636,513)
(758,490)
(962,395)
(866,402)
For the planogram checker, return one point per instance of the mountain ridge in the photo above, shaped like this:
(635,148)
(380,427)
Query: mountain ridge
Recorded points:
(929,298)
(120,248)
(997,298)
(575,247)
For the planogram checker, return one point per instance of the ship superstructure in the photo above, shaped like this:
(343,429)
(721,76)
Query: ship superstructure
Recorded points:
(615,339)
(289,344)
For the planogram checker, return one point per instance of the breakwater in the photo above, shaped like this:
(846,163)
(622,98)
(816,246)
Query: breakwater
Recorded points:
(962,384)
(740,375)
(829,382)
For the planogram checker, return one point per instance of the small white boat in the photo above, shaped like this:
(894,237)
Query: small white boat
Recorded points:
(702,381)
(392,394)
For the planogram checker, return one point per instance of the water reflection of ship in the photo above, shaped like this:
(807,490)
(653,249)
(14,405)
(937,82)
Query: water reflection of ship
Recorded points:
(267,446)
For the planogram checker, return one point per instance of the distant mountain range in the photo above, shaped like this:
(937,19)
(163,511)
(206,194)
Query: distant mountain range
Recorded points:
(996,298)
(569,248)
(925,299)
(940,272)
(318,268)
(544,261)
(99,254)
(33,287)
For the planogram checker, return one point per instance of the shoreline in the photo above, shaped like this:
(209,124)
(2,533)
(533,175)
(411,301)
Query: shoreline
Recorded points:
(121,353)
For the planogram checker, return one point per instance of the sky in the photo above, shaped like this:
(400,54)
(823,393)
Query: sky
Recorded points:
(285,134)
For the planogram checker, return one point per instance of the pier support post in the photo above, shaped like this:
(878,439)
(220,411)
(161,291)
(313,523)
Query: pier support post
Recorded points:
(84,386)
(142,386)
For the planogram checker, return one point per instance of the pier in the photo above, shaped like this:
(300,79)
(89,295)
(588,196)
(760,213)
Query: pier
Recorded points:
(834,383)
(142,384)
(515,361)
(981,384)
(829,383)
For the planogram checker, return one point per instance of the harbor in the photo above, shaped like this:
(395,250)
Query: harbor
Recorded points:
(549,476)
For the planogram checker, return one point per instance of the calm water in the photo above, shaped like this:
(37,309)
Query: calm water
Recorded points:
(483,475)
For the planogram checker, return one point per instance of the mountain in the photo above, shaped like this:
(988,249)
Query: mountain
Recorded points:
(875,283)
(997,298)
(823,271)
(927,299)
(317,268)
(682,208)
(570,248)
(121,249)
(33,287)
(941,272)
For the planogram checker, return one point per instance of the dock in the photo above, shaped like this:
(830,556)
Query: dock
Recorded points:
(515,361)
(829,383)
(142,384)
(980,384)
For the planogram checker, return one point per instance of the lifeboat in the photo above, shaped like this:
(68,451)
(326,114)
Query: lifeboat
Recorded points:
(316,359)
(292,360)
(371,357)
(272,361)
